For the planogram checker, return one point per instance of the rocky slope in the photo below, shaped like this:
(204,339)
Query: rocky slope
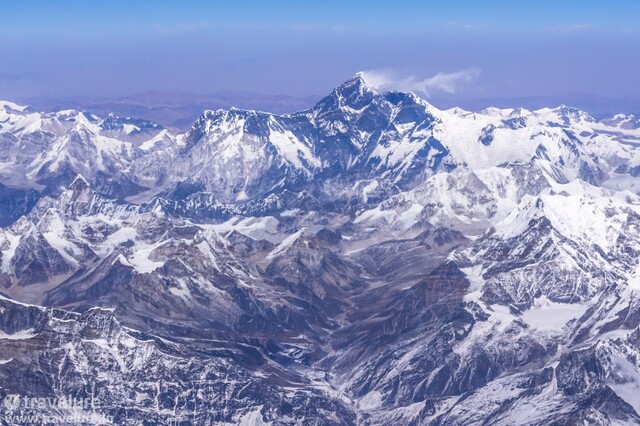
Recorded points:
(373,260)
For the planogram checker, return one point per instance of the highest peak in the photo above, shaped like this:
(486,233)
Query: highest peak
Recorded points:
(354,93)
(357,83)
(360,76)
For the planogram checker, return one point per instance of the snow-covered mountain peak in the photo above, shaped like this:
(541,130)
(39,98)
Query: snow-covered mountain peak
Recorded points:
(623,121)
(459,111)
(581,213)
(76,198)
(497,112)
(128,125)
(565,115)
(351,96)
(227,121)
(12,106)
(358,80)
(79,183)
(405,264)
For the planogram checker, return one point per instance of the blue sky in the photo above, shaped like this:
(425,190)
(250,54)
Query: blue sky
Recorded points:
(509,49)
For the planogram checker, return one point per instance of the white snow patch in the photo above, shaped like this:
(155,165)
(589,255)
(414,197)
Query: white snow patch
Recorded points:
(13,106)
(253,418)
(18,335)
(547,316)
(7,255)
(634,280)
(258,228)
(627,384)
(410,217)
(474,275)
(285,244)
(122,235)
(151,143)
(140,259)
(292,149)
(368,189)
(371,401)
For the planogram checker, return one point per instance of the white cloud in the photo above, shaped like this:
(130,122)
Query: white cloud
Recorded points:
(384,80)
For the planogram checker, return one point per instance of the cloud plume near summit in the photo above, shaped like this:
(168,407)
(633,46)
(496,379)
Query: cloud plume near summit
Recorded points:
(449,82)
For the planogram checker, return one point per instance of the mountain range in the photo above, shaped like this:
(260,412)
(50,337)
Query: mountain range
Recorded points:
(372,260)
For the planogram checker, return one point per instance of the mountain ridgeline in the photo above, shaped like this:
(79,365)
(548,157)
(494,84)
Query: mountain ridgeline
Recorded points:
(370,261)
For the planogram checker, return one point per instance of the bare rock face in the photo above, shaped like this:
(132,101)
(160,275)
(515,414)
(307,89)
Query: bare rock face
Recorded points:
(370,261)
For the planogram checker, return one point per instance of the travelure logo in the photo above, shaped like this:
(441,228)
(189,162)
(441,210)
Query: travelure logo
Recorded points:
(11,402)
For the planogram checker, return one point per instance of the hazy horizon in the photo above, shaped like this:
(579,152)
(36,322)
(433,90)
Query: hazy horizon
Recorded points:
(179,109)
(72,49)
